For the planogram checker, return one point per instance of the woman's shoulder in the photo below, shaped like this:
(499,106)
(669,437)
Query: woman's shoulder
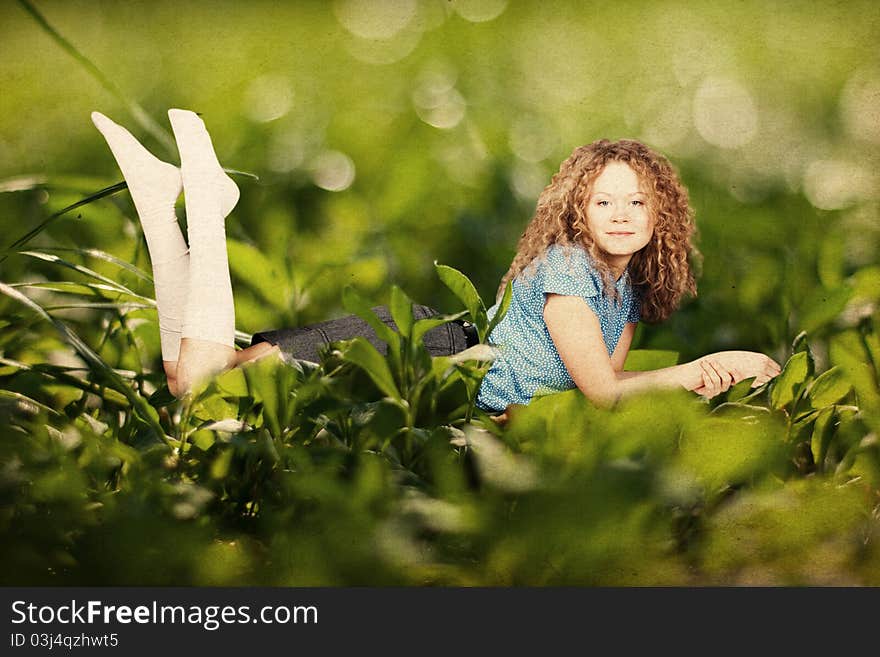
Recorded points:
(572,257)
(566,269)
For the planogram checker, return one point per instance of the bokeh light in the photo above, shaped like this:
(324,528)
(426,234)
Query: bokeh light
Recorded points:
(836,184)
(374,19)
(267,98)
(724,112)
(333,171)
(479,11)
(860,105)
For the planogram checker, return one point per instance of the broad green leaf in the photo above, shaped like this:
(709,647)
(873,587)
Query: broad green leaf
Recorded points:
(422,326)
(829,388)
(503,307)
(262,275)
(232,383)
(270,382)
(356,304)
(831,260)
(364,355)
(461,286)
(866,283)
(789,380)
(730,450)
(822,307)
(823,432)
(849,353)
(401,311)
(741,390)
(640,360)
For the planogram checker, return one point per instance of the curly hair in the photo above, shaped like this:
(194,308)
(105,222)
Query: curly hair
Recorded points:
(660,272)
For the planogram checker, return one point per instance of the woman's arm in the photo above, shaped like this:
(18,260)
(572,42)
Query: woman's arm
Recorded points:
(575,331)
(577,335)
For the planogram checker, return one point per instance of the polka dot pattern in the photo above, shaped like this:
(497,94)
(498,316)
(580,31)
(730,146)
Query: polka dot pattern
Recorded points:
(527,363)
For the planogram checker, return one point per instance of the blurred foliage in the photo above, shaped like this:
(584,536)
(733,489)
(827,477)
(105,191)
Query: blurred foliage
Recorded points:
(377,126)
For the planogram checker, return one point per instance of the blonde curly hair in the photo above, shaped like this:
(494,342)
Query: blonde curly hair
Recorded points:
(661,271)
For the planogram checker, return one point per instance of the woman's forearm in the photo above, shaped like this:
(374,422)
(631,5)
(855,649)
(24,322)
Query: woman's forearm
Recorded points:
(627,383)
(686,376)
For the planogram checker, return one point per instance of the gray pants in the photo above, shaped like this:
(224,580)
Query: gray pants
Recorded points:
(303,343)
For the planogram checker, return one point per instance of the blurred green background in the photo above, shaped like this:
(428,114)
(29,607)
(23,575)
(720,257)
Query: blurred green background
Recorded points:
(387,135)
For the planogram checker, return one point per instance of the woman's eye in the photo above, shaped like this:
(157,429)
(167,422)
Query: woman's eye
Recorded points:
(638,203)
(603,203)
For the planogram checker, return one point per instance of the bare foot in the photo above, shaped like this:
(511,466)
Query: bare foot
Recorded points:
(256,352)
(200,360)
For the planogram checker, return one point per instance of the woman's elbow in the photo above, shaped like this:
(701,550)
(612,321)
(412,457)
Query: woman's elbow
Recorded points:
(604,393)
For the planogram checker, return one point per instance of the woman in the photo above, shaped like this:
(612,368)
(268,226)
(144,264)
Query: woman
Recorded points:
(609,243)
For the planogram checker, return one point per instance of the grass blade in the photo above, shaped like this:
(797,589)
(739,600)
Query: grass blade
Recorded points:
(102,255)
(24,401)
(48,257)
(146,412)
(91,198)
(62,375)
(138,113)
(92,289)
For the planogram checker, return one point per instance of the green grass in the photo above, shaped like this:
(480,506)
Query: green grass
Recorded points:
(371,469)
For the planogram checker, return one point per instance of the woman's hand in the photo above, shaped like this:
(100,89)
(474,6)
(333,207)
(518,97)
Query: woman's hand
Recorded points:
(715,378)
(717,372)
(747,364)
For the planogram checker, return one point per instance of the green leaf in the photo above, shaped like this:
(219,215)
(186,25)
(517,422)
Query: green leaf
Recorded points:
(829,388)
(146,412)
(641,360)
(262,378)
(461,286)
(32,233)
(49,257)
(232,383)
(503,307)
(823,432)
(364,355)
(106,257)
(741,390)
(822,307)
(98,290)
(730,450)
(27,403)
(848,351)
(790,379)
(262,275)
(356,304)
(422,326)
(401,311)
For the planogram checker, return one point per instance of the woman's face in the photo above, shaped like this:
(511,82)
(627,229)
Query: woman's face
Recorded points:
(617,214)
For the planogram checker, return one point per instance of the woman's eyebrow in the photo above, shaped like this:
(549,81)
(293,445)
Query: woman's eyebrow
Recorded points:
(597,192)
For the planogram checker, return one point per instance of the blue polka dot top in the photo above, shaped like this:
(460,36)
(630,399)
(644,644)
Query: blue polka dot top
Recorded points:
(527,363)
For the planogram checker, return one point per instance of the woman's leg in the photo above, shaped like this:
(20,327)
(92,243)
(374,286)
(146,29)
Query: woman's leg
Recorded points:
(208,332)
(154,186)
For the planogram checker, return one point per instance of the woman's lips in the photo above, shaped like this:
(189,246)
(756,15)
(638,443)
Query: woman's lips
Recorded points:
(620,233)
